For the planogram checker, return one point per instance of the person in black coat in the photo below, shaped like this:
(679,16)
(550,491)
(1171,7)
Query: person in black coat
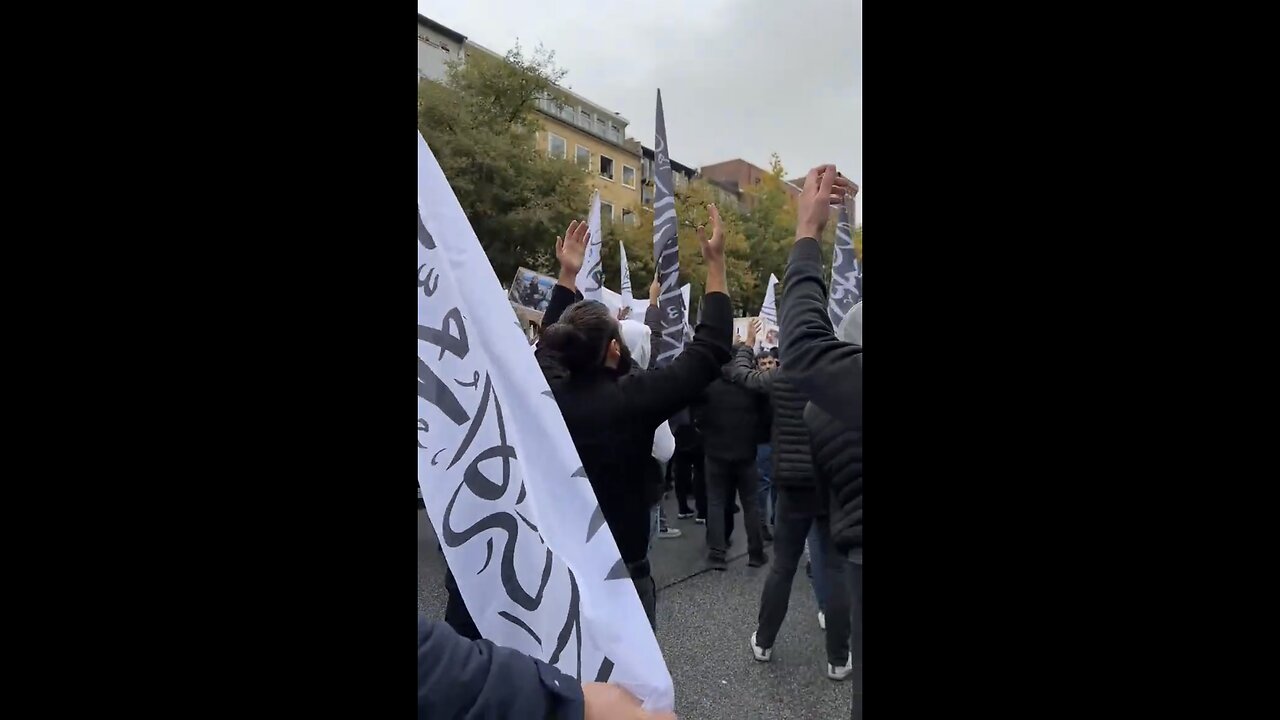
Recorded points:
(458,678)
(611,413)
(829,371)
(728,416)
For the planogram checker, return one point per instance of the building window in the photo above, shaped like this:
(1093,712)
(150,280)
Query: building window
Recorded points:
(556,146)
(606,167)
(614,133)
(646,166)
(606,211)
(600,126)
(646,194)
(628,218)
(567,113)
(584,118)
(582,156)
(629,176)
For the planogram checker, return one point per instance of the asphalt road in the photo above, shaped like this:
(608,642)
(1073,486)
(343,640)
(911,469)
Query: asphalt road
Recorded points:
(705,621)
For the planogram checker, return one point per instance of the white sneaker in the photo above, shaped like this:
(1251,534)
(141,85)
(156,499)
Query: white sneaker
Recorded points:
(763,654)
(840,673)
(822,620)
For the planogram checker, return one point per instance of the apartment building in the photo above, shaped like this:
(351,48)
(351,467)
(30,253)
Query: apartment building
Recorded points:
(437,46)
(681,176)
(577,130)
(740,175)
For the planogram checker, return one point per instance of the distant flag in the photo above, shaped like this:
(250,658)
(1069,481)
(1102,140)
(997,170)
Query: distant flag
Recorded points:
(626,274)
(769,310)
(591,276)
(502,482)
(846,271)
(666,249)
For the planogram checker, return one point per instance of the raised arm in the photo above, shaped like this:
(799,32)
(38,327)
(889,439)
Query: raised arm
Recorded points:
(656,395)
(653,318)
(742,370)
(570,250)
(826,368)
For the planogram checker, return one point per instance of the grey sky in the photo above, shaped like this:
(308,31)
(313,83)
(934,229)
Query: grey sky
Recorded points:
(739,78)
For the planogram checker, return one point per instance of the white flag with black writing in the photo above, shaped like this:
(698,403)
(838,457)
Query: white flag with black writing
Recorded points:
(591,275)
(626,274)
(503,485)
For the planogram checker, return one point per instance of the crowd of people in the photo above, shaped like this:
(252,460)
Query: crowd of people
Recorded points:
(776,436)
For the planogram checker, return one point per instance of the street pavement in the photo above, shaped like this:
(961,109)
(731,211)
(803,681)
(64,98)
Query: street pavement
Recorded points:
(705,621)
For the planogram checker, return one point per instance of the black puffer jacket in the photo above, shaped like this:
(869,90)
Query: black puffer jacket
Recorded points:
(837,465)
(792,455)
(830,371)
(728,416)
(612,418)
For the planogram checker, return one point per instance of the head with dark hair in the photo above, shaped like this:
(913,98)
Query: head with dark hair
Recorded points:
(588,338)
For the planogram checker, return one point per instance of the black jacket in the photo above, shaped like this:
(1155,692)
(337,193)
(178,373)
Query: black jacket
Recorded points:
(612,419)
(728,416)
(460,678)
(830,372)
(792,455)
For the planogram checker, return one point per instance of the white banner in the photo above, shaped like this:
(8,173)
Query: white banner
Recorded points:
(502,482)
(591,275)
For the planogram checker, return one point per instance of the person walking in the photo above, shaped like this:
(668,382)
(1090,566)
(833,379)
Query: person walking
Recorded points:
(827,366)
(728,416)
(611,413)
(800,506)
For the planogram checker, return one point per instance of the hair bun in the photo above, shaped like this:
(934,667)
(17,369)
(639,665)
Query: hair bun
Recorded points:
(575,352)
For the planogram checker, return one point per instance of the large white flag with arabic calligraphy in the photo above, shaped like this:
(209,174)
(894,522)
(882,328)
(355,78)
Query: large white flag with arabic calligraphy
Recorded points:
(502,483)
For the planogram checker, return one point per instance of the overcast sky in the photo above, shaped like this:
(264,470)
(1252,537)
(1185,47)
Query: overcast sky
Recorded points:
(739,78)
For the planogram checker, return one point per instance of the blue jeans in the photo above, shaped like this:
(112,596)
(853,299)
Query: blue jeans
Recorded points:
(818,564)
(768,496)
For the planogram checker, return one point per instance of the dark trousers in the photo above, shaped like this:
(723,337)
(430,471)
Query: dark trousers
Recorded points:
(456,614)
(855,622)
(724,478)
(648,592)
(789,532)
(687,467)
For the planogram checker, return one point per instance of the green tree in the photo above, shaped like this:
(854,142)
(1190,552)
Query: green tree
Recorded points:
(481,126)
(691,211)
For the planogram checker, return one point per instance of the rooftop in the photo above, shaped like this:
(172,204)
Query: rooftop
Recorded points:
(447,32)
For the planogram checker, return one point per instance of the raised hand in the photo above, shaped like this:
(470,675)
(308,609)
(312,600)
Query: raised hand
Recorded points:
(823,188)
(571,251)
(753,329)
(713,248)
(655,289)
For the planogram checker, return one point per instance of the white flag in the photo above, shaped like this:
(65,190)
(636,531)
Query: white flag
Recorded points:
(626,274)
(591,276)
(769,316)
(502,482)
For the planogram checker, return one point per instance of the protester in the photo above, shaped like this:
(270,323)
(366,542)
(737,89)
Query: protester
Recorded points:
(460,678)
(728,416)
(829,369)
(766,361)
(800,506)
(612,414)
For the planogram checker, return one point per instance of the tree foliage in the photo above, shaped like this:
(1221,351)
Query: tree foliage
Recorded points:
(691,211)
(481,126)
